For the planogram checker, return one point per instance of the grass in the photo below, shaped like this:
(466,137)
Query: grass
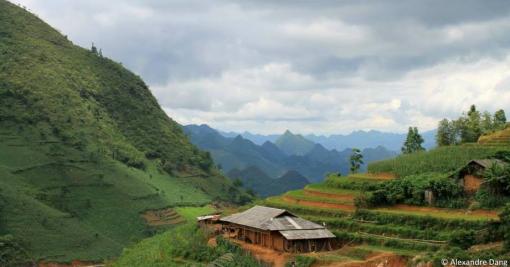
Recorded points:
(443,159)
(85,148)
(301,195)
(330,190)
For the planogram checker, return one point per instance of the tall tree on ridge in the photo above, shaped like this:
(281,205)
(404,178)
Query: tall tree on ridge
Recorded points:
(413,141)
(356,160)
(499,119)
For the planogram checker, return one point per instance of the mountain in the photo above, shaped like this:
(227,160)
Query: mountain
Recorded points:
(369,139)
(236,152)
(85,148)
(358,139)
(258,139)
(255,179)
(240,153)
(294,144)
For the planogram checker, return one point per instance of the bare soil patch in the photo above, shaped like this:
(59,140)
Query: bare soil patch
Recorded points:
(277,259)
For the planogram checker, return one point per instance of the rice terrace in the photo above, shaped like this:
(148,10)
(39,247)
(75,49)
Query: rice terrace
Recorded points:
(254,133)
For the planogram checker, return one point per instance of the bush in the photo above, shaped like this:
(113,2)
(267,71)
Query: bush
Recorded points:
(411,190)
(301,261)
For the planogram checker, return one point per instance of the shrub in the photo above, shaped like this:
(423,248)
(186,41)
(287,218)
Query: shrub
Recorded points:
(301,261)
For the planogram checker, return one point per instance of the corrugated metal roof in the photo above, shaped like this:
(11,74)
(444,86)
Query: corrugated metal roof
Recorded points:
(257,217)
(270,219)
(291,223)
(307,234)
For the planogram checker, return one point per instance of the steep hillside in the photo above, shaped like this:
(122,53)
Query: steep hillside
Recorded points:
(294,144)
(85,148)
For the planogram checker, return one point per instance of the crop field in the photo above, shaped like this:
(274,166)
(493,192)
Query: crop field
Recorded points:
(499,138)
(392,231)
(73,208)
(443,159)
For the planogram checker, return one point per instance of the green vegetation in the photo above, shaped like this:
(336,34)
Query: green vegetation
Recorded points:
(85,149)
(469,127)
(184,246)
(442,159)
(356,160)
(411,190)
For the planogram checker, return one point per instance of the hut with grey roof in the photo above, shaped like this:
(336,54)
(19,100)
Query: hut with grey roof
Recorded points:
(277,229)
(470,177)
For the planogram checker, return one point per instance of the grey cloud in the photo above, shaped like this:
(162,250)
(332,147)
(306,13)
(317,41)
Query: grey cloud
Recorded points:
(207,56)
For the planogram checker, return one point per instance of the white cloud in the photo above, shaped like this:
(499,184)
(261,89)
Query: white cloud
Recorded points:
(267,66)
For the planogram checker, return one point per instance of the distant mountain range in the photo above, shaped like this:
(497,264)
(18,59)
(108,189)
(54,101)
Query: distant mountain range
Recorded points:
(254,178)
(357,139)
(238,157)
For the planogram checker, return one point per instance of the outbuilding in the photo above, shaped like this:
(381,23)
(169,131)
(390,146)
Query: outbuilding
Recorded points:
(470,177)
(277,229)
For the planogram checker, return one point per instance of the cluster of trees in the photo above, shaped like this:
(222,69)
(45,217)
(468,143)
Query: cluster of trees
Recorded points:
(469,127)
(356,160)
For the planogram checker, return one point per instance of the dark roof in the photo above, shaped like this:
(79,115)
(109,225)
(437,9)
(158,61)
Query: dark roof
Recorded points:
(289,225)
(256,217)
(307,234)
(487,163)
(266,218)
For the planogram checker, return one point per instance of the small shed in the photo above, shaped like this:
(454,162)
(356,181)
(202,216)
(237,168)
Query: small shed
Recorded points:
(210,222)
(471,176)
(277,229)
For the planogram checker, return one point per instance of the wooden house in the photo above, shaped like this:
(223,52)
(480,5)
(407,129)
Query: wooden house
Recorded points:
(470,177)
(277,229)
(210,222)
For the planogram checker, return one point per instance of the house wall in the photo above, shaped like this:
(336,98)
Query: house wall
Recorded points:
(472,183)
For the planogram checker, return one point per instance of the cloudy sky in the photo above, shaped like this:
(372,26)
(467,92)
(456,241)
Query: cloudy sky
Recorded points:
(308,66)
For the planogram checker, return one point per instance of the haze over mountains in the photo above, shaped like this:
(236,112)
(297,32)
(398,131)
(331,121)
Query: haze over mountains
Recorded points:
(253,163)
(359,139)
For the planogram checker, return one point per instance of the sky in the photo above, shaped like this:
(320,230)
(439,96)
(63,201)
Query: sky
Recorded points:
(323,67)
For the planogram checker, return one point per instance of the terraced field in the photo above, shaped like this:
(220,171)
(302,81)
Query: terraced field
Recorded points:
(499,138)
(391,233)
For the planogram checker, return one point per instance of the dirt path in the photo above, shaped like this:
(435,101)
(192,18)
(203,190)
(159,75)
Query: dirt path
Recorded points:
(311,192)
(318,204)
(278,259)
(386,259)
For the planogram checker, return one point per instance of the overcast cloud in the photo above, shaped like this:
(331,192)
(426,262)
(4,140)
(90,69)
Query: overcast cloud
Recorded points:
(308,66)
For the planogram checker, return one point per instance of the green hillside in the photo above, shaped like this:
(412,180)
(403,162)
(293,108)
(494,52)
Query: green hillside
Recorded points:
(85,149)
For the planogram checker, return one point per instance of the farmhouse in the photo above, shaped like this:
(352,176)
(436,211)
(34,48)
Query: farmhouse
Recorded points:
(471,176)
(277,229)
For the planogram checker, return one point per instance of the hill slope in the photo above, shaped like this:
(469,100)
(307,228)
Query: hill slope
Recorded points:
(85,148)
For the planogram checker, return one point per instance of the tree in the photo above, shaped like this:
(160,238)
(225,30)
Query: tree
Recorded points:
(413,141)
(356,160)
(93,49)
(499,119)
(487,123)
(471,130)
(446,133)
